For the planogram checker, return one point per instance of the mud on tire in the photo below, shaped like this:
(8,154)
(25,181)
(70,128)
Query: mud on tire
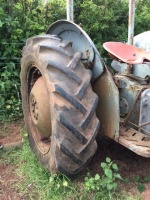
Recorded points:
(70,141)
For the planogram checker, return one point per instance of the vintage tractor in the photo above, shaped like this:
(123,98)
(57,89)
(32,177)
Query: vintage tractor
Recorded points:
(70,96)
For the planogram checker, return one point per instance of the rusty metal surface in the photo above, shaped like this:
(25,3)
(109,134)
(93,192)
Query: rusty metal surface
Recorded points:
(126,53)
(39,108)
(108,107)
(131,21)
(144,120)
(135,141)
(144,124)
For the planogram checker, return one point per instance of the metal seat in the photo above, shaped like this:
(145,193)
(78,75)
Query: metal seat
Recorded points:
(126,53)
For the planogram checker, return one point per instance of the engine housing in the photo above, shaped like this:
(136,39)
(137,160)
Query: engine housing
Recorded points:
(134,102)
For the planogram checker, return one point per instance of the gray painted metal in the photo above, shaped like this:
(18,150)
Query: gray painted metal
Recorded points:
(81,42)
(143,41)
(70,15)
(124,107)
(131,21)
(119,67)
(134,103)
(145,110)
(141,70)
(128,90)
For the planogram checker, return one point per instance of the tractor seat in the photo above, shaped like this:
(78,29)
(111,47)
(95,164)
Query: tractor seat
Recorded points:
(126,53)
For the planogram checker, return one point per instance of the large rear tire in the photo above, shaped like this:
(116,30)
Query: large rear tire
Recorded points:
(58,105)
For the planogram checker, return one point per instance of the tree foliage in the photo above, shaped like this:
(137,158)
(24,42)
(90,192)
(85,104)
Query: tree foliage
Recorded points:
(142,16)
(104,20)
(20,20)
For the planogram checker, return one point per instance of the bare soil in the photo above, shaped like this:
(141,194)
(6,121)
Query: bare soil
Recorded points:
(9,137)
(8,178)
(130,164)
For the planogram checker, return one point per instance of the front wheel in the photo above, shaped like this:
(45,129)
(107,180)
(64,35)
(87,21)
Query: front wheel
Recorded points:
(58,105)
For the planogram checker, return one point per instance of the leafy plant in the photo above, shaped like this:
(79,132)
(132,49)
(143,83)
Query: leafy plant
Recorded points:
(107,181)
(20,20)
(10,103)
(140,182)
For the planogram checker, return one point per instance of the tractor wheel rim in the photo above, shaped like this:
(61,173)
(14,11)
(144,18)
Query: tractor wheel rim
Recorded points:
(40,115)
(34,108)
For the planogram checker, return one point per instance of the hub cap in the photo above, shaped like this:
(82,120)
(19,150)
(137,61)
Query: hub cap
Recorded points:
(40,114)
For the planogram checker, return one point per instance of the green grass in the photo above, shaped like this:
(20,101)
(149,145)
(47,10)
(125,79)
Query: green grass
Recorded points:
(37,183)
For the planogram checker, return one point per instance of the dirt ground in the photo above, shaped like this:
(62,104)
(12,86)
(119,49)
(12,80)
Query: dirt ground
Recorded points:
(9,137)
(130,164)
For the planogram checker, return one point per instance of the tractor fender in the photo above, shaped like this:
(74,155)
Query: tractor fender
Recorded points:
(108,106)
(81,42)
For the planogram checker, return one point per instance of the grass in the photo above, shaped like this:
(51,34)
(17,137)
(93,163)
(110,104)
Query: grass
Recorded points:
(37,183)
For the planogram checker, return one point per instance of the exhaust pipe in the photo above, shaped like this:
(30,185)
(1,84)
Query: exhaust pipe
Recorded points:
(131,21)
(70,16)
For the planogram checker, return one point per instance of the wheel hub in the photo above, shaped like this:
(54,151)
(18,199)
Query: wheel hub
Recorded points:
(34,108)
(40,110)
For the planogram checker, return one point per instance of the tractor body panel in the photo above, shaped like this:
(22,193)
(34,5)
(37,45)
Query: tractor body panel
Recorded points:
(134,103)
(139,70)
(135,141)
(128,91)
(142,70)
(108,107)
(142,41)
(144,120)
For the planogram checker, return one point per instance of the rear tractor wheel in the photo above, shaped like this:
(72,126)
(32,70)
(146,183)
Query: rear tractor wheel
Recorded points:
(58,104)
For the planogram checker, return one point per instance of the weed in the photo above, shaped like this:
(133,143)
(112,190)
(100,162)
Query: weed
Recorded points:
(11,156)
(107,181)
(140,182)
